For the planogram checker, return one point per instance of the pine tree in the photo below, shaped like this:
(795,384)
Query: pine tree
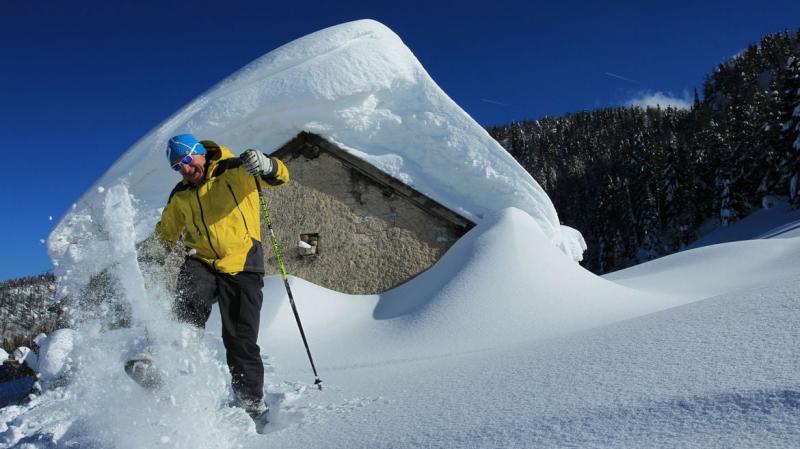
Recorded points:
(651,246)
(790,88)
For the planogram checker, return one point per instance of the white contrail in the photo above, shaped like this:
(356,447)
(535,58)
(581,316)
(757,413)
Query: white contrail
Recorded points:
(486,100)
(614,75)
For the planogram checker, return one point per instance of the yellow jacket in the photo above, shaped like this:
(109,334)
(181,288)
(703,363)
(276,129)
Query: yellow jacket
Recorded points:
(221,218)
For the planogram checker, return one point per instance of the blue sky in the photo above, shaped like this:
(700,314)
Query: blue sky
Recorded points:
(83,80)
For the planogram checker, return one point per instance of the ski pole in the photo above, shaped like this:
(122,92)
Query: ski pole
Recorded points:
(282,267)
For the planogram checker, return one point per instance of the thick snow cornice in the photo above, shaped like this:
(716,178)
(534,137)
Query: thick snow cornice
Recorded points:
(355,84)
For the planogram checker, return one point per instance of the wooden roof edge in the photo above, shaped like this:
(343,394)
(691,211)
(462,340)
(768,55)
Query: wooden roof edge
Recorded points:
(418,198)
(294,144)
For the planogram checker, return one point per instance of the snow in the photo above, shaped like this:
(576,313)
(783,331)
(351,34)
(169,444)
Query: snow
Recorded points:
(435,314)
(572,243)
(54,351)
(505,342)
(779,220)
(23,354)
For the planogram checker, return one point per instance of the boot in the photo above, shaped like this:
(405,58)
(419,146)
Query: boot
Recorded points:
(257,409)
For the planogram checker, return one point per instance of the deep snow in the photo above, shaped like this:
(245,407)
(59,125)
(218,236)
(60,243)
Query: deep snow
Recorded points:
(505,342)
(491,348)
(776,219)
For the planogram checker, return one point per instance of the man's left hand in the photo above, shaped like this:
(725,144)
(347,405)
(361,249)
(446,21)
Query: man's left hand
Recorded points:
(256,163)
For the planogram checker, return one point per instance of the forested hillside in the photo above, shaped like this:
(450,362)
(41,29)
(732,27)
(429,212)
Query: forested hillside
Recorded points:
(26,309)
(639,183)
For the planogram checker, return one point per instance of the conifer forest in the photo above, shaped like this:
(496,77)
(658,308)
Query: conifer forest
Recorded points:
(640,183)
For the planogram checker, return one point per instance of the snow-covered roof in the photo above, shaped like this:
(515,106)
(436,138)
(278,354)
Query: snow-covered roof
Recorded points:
(357,85)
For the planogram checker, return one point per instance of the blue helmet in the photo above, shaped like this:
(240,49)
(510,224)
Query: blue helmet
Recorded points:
(181,145)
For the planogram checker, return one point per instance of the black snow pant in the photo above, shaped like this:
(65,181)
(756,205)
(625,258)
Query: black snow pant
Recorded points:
(240,298)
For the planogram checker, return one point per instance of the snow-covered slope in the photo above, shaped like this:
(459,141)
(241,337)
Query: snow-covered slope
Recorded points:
(491,274)
(775,219)
(490,348)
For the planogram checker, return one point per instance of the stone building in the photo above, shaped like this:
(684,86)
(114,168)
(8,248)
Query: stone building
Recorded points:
(344,224)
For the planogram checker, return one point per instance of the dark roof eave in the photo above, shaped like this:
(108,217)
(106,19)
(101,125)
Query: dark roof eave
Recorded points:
(309,140)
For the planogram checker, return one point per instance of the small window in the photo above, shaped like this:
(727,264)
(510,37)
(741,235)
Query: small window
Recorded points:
(308,246)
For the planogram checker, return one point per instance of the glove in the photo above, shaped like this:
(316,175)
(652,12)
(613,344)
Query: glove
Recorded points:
(151,251)
(256,163)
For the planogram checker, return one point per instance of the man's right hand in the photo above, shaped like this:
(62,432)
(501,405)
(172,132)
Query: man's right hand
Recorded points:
(256,162)
(151,250)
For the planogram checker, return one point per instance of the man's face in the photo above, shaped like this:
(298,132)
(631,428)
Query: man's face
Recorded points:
(194,171)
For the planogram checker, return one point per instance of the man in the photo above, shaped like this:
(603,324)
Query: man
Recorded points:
(216,209)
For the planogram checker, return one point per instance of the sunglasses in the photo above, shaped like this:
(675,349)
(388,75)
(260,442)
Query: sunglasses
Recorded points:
(185,160)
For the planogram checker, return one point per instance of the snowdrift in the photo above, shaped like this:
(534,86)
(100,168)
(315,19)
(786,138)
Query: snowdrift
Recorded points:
(502,282)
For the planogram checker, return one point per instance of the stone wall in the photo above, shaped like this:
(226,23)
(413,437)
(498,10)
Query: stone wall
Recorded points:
(370,238)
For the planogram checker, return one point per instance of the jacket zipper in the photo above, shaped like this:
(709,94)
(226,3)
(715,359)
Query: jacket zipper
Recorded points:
(208,233)
(240,210)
